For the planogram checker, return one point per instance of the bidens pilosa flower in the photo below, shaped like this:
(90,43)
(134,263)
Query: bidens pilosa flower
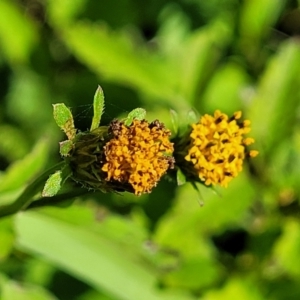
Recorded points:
(138,155)
(122,158)
(129,155)
(215,148)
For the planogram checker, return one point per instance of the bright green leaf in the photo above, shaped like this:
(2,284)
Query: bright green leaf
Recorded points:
(11,136)
(138,113)
(235,288)
(6,237)
(175,121)
(98,106)
(64,119)
(65,12)
(225,88)
(18,39)
(55,182)
(180,177)
(257,17)
(112,54)
(273,110)
(212,216)
(18,291)
(103,263)
(287,248)
(198,56)
(23,170)
(52,185)
(192,116)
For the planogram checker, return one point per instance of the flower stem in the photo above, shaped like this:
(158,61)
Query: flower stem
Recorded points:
(30,191)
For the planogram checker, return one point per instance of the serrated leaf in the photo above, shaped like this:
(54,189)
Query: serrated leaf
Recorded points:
(64,119)
(180,177)
(98,108)
(138,113)
(175,120)
(53,184)
(65,147)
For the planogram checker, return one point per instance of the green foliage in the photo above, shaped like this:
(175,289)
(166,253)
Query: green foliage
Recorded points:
(64,119)
(178,56)
(53,184)
(138,113)
(98,106)
(21,171)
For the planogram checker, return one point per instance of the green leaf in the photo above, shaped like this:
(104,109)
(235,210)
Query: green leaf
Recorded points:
(257,17)
(17,291)
(65,147)
(98,48)
(273,120)
(53,184)
(196,188)
(98,108)
(236,288)
(213,216)
(7,238)
(224,90)
(175,121)
(23,170)
(192,116)
(180,177)
(198,56)
(65,12)
(287,248)
(138,113)
(11,136)
(20,37)
(64,119)
(103,263)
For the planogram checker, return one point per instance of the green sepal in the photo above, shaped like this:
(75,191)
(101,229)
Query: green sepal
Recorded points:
(192,116)
(64,119)
(55,182)
(180,177)
(65,147)
(98,106)
(175,120)
(200,198)
(138,113)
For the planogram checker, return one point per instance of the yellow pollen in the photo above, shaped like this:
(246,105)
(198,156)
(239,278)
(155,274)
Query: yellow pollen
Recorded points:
(138,155)
(217,147)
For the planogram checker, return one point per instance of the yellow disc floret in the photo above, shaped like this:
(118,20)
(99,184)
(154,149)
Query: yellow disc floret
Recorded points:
(217,147)
(138,154)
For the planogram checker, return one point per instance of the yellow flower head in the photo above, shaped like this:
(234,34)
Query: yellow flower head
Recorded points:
(138,155)
(217,147)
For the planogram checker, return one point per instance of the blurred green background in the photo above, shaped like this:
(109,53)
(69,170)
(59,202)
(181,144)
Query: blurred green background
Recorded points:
(221,54)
